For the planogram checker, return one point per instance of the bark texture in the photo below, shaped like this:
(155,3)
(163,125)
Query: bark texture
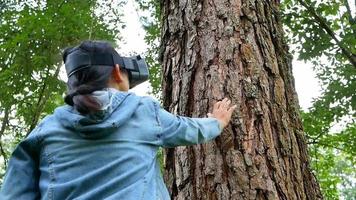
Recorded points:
(213,49)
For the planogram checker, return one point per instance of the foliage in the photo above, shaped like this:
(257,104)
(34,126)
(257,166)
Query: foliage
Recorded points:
(324,34)
(152,25)
(32,36)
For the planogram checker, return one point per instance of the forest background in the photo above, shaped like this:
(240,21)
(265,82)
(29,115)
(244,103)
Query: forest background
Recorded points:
(321,33)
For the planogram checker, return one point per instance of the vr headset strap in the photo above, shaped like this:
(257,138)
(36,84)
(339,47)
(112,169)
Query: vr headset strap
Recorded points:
(84,60)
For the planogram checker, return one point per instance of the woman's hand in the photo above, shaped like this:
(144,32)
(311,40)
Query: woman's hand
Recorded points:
(222,111)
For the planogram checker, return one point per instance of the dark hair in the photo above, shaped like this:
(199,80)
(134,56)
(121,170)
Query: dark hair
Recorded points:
(85,81)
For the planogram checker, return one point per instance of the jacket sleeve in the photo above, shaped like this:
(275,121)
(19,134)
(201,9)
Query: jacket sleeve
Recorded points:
(22,175)
(183,131)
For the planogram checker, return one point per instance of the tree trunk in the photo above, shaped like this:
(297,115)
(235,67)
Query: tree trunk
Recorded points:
(213,49)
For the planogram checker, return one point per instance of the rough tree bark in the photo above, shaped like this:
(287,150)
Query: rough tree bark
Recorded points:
(213,49)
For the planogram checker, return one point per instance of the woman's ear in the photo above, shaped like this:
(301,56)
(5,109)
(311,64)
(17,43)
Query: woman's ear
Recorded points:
(117,73)
(119,79)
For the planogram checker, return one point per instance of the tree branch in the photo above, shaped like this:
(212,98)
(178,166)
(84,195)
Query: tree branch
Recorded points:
(41,102)
(331,146)
(313,139)
(2,131)
(351,57)
(43,96)
(351,19)
(61,4)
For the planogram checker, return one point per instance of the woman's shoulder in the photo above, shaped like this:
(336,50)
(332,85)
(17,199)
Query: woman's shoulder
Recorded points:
(39,131)
(149,99)
(51,120)
(150,102)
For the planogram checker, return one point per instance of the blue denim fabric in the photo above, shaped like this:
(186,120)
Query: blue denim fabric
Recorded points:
(109,155)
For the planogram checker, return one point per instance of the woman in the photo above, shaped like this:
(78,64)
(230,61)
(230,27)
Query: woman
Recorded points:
(103,144)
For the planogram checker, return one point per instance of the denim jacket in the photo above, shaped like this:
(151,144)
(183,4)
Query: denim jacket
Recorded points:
(111,154)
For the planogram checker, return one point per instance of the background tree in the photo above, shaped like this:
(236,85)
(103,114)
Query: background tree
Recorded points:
(234,49)
(323,33)
(32,35)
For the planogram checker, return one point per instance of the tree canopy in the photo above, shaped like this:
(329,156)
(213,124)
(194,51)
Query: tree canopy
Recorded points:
(32,37)
(323,33)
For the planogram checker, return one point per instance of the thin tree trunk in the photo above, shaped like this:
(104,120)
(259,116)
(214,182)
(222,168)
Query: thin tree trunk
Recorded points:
(4,124)
(213,49)
(42,100)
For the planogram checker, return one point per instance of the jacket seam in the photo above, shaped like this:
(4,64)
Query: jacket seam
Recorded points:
(159,124)
(38,141)
(51,174)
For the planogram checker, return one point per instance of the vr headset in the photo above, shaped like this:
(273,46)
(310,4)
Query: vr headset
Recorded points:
(136,66)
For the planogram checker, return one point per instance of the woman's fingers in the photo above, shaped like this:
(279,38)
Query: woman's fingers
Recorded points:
(232,108)
(217,105)
(225,100)
(222,111)
(223,104)
(228,102)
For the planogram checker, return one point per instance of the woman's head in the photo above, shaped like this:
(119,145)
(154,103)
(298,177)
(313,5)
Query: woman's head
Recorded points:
(91,78)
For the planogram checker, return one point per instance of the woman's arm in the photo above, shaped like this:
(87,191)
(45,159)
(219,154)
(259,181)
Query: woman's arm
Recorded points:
(181,131)
(22,175)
